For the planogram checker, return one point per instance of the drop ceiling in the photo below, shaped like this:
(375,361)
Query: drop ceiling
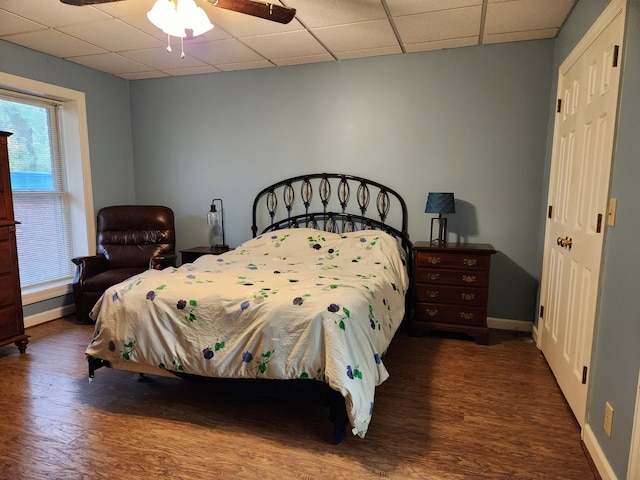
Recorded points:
(117,37)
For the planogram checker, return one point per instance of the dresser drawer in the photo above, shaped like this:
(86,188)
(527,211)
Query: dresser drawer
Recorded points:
(6,258)
(452,277)
(7,290)
(10,323)
(454,295)
(453,260)
(454,314)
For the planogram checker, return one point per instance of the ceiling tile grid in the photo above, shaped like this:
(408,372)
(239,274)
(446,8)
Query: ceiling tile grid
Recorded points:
(117,38)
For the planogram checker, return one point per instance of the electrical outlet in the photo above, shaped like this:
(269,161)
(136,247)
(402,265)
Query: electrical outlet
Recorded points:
(608,418)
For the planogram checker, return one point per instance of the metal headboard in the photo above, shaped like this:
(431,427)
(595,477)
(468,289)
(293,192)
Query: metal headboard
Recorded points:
(318,208)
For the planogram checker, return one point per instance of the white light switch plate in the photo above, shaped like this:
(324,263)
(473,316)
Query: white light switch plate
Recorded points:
(611,213)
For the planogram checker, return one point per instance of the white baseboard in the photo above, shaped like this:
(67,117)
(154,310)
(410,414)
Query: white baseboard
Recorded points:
(53,314)
(506,324)
(597,455)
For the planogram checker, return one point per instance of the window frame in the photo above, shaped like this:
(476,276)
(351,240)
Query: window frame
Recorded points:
(77,171)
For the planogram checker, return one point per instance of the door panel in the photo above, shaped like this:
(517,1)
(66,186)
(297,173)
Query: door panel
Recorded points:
(578,195)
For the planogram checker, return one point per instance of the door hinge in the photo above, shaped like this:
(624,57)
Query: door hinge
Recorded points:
(541,311)
(599,223)
(550,211)
(616,51)
(559,108)
(584,374)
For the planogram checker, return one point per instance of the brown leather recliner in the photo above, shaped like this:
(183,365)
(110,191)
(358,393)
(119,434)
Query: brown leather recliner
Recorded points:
(130,240)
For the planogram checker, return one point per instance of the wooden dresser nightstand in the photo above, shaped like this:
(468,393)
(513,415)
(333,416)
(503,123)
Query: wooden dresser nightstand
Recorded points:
(190,255)
(452,288)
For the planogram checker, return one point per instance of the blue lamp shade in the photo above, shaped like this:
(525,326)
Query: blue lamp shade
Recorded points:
(439,202)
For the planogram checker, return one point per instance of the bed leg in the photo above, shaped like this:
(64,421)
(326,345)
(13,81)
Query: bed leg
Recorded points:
(338,415)
(94,364)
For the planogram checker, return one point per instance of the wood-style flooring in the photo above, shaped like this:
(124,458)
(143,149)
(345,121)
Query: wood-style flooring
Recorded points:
(451,409)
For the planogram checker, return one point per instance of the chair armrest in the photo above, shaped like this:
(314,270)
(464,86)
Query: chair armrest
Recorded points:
(89,266)
(163,261)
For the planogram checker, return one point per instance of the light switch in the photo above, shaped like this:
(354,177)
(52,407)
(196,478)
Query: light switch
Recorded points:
(611,212)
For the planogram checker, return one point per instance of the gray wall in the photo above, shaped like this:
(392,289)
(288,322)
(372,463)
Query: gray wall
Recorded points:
(616,354)
(472,121)
(109,126)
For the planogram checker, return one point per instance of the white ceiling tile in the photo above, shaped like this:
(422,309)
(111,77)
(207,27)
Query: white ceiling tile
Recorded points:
(94,34)
(110,62)
(123,9)
(369,52)
(323,13)
(177,72)
(10,24)
(442,44)
(161,59)
(112,35)
(525,15)
(54,43)
(519,36)
(230,67)
(441,25)
(52,13)
(411,7)
(285,45)
(224,51)
(284,62)
(357,36)
(143,75)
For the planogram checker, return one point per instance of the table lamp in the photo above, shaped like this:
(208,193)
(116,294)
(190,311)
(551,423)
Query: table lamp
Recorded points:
(439,202)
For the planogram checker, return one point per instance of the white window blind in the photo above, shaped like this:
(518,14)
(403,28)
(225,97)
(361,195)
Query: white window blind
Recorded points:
(40,196)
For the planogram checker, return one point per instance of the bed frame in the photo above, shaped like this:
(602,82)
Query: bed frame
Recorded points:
(319,208)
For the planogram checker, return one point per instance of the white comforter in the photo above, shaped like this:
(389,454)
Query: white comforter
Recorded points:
(297,303)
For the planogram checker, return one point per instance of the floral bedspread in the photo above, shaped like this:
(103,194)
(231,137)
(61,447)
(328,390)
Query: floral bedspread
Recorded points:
(290,304)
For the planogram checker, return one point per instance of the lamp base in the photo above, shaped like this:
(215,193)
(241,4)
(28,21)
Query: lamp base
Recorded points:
(217,249)
(441,238)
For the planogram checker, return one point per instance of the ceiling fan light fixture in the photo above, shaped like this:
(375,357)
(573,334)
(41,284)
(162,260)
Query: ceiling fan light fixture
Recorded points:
(200,22)
(175,18)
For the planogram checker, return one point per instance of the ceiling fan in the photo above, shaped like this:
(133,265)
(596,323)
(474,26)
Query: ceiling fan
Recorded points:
(268,11)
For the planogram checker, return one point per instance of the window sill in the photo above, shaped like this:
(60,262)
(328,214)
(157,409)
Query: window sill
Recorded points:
(46,291)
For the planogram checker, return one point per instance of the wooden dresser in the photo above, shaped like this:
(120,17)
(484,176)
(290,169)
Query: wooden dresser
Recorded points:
(11,320)
(452,289)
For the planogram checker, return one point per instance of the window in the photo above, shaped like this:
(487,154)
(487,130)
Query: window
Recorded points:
(50,181)
(40,199)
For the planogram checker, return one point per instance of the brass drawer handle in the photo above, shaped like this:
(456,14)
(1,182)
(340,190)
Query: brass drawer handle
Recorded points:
(470,262)
(433,260)
(431,312)
(433,276)
(469,278)
(433,293)
(466,315)
(468,296)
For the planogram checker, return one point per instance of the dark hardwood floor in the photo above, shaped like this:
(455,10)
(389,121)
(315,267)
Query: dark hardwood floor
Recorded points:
(450,410)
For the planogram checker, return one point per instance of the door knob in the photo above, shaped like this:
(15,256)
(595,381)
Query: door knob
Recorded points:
(565,242)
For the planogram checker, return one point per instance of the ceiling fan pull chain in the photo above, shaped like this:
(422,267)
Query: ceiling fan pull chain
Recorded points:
(182,46)
(169,49)
(271,9)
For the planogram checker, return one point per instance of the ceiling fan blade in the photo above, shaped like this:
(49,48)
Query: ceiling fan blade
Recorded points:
(268,11)
(80,3)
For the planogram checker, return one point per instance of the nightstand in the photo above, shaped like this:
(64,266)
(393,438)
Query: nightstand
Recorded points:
(191,254)
(452,288)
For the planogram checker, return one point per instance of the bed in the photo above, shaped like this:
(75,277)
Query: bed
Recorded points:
(316,295)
